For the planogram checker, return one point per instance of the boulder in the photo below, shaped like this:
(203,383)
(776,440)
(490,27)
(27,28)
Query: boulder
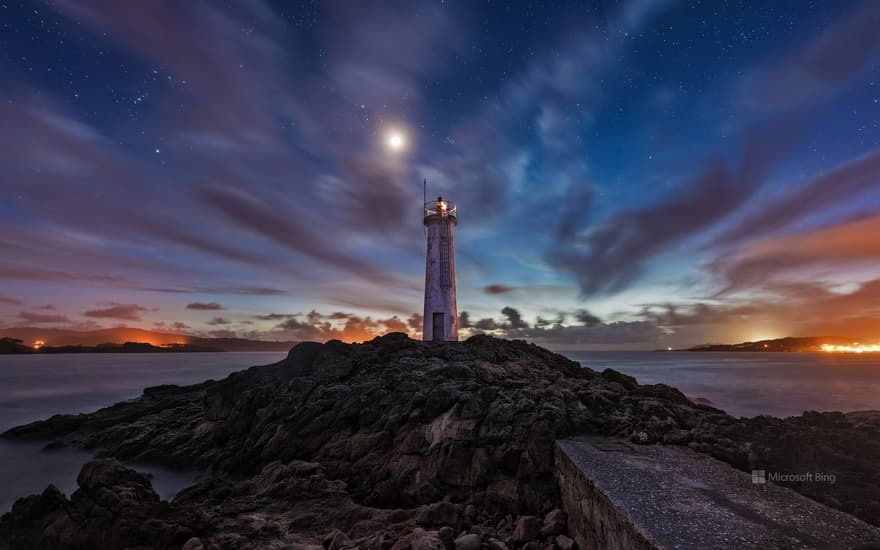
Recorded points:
(554,523)
(337,540)
(114,507)
(527,529)
(468,542)
(425,540)
(447,535)
(565,543)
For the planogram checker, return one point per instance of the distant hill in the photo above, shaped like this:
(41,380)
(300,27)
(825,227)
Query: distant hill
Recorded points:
(807,343)
(10,346)
(54,337)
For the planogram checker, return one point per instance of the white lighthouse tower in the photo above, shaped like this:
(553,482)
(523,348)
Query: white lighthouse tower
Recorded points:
(441,311)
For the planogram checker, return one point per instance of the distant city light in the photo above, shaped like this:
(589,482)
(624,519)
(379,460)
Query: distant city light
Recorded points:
(38,344)
(854,348)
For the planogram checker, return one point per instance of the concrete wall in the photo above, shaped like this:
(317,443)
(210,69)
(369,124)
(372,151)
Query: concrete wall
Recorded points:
(594,522)
(440,277)
(622,496)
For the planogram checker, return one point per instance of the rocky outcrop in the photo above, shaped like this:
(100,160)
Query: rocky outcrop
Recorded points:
(114,507)
(840,451)
(376,440)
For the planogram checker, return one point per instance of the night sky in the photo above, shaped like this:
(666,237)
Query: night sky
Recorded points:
(632,174)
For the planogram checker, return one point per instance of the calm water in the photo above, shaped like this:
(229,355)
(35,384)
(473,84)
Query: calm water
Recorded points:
(743,384)
(33,387)
(749,384)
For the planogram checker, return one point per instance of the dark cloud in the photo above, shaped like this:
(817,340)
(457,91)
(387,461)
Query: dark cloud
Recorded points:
(39,274)
(275,316)
(204,306)
(832,188)
(514,319)
(244,291)
(586,318)
(486,324)
(787,308)
(218,321)
(498,289)
(612,255)
(9,300)
(541,322)
(683,315)
(414,322)
(464,320)
(125,312)
(589,331)
(767,261)
(339,325)
(844,49)
(640,333)
(177,326)
(39,318)
(267,220)
(394,324)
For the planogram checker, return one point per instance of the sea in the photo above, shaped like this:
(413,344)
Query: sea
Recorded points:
(33,387)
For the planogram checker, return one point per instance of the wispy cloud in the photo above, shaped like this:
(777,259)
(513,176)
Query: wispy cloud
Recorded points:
(204,306)
(7,300)
(124,312)
(218,321)
(838,186)
(41,318)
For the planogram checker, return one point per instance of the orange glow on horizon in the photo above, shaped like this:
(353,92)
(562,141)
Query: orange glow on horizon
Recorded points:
(854,348)
(39,343)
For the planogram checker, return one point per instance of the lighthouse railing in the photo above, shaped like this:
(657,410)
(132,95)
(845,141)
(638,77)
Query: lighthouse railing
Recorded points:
(443,209)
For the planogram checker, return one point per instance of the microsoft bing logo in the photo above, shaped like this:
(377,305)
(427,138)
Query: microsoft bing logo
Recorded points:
(760,477)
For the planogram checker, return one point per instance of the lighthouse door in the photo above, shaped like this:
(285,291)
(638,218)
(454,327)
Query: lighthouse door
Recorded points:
(437,327)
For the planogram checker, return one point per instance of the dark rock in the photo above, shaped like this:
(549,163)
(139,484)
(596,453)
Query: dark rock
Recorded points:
(338,541)
(447,535)
(425,540)
(554,523)
(468,542)
(565,543)
(527,529)
(114,507)
(495,544)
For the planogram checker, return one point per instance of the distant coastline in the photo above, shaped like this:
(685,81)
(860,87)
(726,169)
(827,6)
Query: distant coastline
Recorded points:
(26,340)
(794,344)
(11,346)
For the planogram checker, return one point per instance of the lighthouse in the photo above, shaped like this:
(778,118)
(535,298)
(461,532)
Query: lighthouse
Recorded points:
(441,312)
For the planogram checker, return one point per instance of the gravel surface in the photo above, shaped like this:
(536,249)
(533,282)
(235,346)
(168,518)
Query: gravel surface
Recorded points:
(677,498)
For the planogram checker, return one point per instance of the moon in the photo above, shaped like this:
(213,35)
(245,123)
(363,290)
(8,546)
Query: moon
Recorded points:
(395,141)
